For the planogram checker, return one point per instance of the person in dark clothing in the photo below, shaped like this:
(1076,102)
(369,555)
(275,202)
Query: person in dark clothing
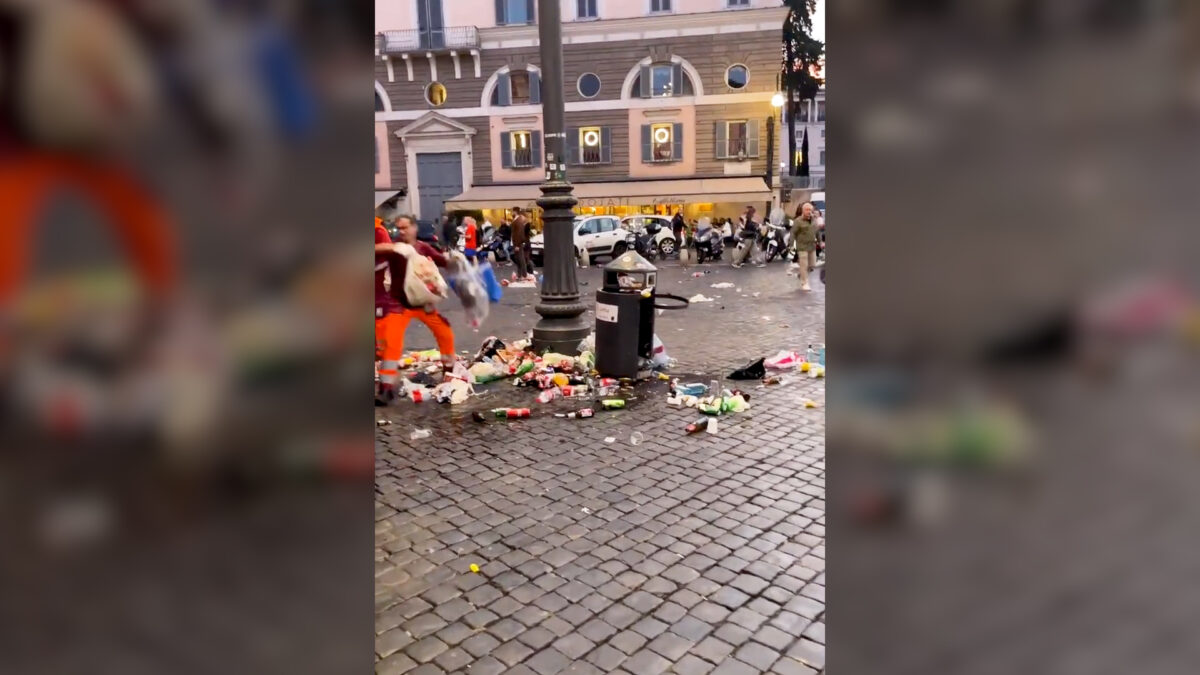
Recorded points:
(449,233)
(677,226)
(746,236)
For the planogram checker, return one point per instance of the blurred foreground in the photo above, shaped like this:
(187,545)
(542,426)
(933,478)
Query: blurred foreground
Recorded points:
(1013,451)
(183,348)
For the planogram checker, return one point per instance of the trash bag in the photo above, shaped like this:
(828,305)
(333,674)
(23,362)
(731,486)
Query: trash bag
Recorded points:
(755,370)
(490,283)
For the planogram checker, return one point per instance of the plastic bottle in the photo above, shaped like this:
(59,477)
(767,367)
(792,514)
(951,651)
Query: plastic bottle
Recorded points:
(574,390)
(713,386)
(511,413)
(548,395)
(577,414)
(697,426)
(636,438)
(613,403)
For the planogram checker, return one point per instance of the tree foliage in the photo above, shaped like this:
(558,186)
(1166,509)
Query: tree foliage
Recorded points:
(803,55)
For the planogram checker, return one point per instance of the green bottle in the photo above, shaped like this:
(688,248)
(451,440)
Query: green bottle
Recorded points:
(612,403)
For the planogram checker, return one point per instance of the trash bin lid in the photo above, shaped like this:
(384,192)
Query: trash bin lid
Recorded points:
(629,271)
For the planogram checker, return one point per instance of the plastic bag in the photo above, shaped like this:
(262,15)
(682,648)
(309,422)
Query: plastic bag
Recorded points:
(469,287)
(485,371)
(452,391)
(658,353)
(755,370)
(490,283)
(784,360)
(555,360)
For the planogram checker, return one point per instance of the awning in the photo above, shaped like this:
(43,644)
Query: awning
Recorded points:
(748,189)
(382,196)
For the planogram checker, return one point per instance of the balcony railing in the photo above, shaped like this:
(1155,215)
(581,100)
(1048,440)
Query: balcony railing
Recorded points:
(432,39)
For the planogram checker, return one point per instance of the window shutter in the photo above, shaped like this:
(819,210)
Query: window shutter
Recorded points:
(504,89)
(529,11)
(677,138)
(647,156)
(573,146)
(606,145)
(535,87)
(720,145)
(752,138)
(645,82)
(676,80)
(500,13)
(505,150)
(536,147)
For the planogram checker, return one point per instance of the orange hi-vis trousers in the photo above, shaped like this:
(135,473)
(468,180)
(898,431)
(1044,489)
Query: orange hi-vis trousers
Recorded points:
(389,340)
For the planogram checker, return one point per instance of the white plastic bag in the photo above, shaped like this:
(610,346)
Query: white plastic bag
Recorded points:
(658,353)
(468,285)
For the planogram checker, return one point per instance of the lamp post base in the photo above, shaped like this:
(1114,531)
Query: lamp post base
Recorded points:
(560,335)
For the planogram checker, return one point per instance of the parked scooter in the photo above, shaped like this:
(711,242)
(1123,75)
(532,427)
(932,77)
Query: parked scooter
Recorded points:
(643,241)
(773,240)
(708,242)
(491,245)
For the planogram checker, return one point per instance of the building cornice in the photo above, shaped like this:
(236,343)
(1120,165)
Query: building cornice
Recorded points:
(650,27)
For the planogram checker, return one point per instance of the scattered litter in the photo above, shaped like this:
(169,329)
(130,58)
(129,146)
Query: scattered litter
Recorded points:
(418,434)
(474,568)
(610,439)
(585,509)
(636,438)
(699,297)
(698,426)
(816,371)
(521,284)
(712,426)
(382,423)
(697,275)
(723,284)
(418,394)
(757,294)
(810,404)
(613,403)
(510,413)
(766,318)
(577,414)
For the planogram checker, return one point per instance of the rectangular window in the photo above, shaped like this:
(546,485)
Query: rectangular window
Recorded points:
(522,149)
(822,133)
(822,162)
(735,135)
(737,3)
(590,141)
(661,142)
(514,11)
(802,112)
(820,111)
(660,81)
(519,83)
(586,9)
(660,5)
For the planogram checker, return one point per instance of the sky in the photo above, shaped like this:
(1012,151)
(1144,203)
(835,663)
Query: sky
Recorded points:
(819,21)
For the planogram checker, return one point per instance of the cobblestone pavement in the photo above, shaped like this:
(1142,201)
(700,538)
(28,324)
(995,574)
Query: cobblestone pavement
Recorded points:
(687,554)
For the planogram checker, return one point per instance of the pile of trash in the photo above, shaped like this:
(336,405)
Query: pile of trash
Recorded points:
(784,363)
(554,376)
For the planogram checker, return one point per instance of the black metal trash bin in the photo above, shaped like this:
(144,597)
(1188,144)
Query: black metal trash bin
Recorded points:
(625,315)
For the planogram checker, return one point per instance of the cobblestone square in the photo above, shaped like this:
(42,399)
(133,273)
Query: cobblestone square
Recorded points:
(686,554)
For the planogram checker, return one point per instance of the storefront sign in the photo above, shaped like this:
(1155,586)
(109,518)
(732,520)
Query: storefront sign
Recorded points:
(631,201)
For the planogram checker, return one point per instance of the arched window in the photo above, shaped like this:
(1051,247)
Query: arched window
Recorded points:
(518,86)
(663,79)
(378,103)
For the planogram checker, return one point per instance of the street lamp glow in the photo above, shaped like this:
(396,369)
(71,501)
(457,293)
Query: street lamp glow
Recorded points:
(777,100)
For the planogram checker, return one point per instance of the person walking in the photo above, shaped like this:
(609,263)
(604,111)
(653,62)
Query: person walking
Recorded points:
(520,237)
(470,236)
(393,311)
(677,227)
(504,232)
(804,237)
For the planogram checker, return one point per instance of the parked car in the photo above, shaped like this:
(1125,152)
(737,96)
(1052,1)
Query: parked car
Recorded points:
(664,241)
(600,235)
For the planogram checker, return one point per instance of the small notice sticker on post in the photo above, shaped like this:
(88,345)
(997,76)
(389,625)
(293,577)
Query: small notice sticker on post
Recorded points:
(606,312)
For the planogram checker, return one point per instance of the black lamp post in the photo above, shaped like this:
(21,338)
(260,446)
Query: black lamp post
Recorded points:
(562,326)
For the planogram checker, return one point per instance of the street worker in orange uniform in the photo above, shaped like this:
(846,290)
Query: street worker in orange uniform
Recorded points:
(393,311)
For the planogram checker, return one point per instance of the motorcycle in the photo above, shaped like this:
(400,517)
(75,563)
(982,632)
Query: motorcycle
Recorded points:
(709,244)
(773,240)
(492,245)
(643,241)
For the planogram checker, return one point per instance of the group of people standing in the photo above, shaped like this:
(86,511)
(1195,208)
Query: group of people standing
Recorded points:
(515,235)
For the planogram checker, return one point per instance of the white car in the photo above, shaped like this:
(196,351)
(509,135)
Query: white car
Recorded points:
(600,235)
(664,240)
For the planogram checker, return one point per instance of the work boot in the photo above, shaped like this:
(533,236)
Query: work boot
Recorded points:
(385,396)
